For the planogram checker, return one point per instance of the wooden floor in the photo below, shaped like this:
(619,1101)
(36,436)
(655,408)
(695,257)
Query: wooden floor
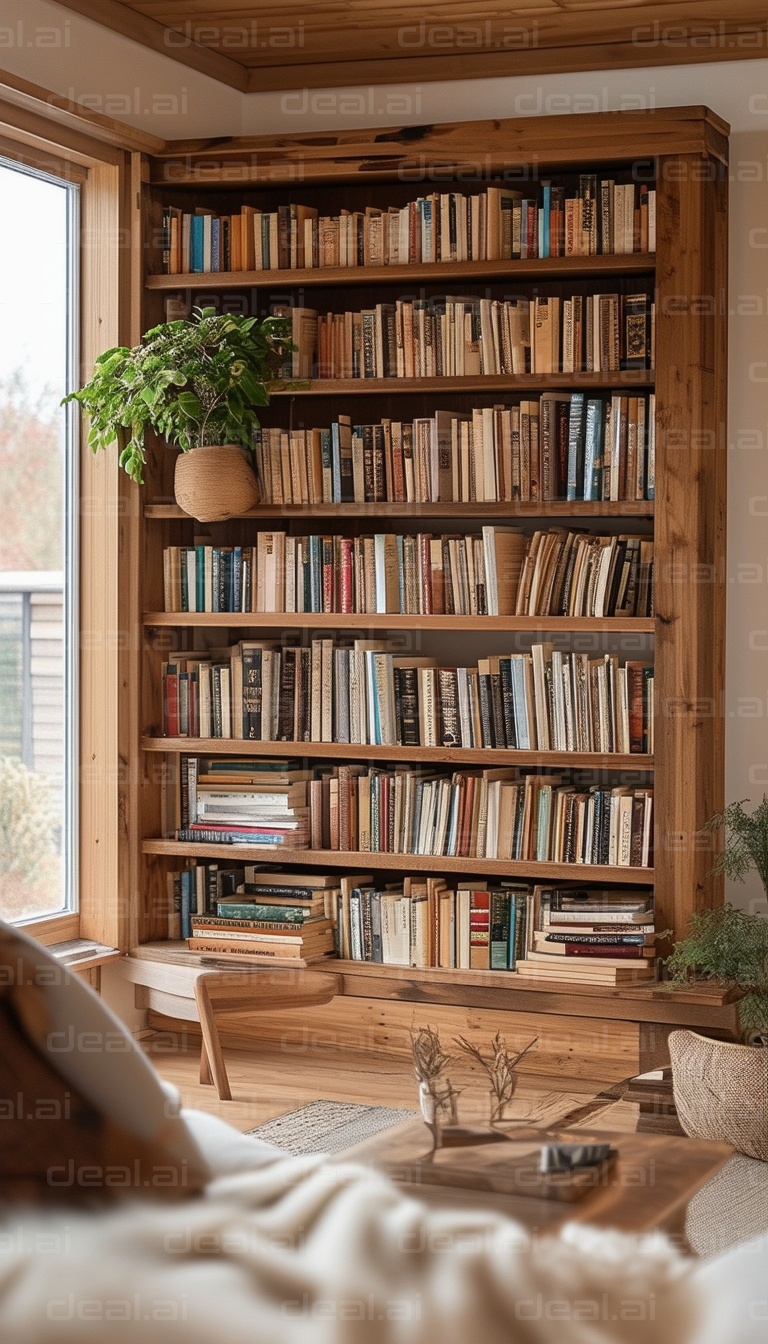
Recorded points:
(269,1082)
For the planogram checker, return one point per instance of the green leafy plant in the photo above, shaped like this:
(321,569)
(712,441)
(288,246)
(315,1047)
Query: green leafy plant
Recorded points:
(746,841)
(194,381)
(730,946)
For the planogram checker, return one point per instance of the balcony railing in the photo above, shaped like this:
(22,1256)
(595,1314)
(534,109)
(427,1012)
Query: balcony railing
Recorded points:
(32,669)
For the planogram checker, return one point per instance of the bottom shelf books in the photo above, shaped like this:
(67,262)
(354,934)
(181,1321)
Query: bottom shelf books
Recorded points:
(581,934)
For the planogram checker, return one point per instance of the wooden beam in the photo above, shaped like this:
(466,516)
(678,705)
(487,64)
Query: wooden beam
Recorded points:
(62,111)
(164,40)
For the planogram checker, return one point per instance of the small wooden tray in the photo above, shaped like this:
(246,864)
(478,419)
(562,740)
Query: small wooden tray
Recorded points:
(511,1168)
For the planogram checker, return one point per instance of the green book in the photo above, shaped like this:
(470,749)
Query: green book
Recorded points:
(285,914)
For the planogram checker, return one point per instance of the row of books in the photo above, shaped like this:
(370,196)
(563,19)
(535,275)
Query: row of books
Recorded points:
(577,573)
(418,574)
(545,700)
(468,336)
(562,445)
(598,216)
(504,926)
(287,917)
(491,814)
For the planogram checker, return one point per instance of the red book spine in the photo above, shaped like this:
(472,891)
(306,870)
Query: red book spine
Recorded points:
(425,566)
(591,950)
(346,604)
(635,687)
(398,473)
(172,704)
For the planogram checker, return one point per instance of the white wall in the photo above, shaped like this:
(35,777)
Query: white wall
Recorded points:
(71,55)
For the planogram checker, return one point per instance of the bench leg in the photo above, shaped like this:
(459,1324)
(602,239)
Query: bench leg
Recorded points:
(211,1046)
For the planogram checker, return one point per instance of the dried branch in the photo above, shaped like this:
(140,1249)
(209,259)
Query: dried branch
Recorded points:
(499,1067)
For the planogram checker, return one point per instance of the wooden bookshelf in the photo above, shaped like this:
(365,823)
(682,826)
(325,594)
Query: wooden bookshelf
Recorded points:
(687,519)
(289,620)
(218,746)
(357,861)
(482,383)
(555,508)
(556,268)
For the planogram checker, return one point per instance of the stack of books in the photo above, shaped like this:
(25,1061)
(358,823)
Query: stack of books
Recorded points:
(231,800)
(575,218)
(466,336)
(475,575)
(603,937)
(279,918)
(561,445)
(545,700)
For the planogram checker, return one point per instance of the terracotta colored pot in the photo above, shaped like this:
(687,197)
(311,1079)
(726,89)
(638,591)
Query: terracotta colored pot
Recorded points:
(216,482)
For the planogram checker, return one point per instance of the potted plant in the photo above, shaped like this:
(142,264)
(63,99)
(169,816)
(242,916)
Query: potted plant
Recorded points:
(197,382)
(721,1089)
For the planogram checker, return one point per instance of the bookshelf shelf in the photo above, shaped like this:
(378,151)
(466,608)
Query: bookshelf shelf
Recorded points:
(289,620)
(686,152)
(555,268)
(556,508)
(461,756)
(486,383)
(359,861)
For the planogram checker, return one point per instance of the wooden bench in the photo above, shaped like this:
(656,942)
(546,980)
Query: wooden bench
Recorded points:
(166,974)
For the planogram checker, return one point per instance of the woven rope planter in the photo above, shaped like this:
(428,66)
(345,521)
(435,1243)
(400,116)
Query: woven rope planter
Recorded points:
(215,483)
(721,1091)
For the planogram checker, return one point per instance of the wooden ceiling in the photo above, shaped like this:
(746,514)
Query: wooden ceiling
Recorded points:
(319,44)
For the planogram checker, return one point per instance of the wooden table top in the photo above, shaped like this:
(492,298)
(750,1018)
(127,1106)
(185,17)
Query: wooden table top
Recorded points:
(648,1187)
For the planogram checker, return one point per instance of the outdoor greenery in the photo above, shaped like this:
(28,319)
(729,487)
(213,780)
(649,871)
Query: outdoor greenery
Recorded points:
(30,821)
(731,946)
(195,381)
(31,470)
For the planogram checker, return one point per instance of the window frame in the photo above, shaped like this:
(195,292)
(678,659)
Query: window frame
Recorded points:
(109,280)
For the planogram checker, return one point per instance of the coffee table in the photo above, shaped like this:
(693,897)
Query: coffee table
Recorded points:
(648,1187)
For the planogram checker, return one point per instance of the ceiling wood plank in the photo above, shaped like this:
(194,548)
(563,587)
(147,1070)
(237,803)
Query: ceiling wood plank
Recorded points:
(351,43)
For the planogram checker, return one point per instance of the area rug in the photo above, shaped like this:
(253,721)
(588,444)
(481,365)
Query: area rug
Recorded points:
(328,1126)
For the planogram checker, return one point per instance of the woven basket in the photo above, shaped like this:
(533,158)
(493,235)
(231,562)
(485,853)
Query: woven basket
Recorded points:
(214,483)
(721,1091)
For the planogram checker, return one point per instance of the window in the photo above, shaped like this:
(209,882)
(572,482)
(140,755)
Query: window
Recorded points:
(39,227)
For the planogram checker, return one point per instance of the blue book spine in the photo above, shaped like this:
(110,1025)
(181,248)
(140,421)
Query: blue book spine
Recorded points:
(511,950)
(196,233)
(186,903)
(544,219)
(316,573)
(237,579)
(576,447)
(335,464)
(215,244)
(590,449)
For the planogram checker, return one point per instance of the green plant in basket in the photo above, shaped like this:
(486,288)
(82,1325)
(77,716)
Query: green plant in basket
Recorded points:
(196,381)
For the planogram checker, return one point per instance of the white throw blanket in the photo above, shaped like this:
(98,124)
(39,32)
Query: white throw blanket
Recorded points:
(302,1252)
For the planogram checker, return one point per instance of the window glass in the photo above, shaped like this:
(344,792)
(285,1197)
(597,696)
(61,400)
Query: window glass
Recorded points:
(38,457)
